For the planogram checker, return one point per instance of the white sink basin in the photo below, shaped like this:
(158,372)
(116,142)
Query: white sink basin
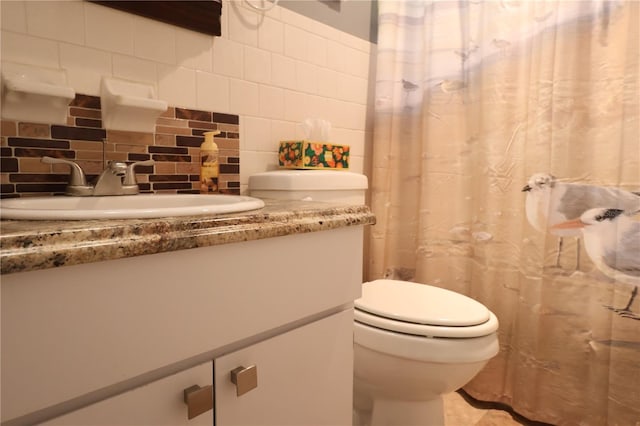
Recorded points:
(124,206)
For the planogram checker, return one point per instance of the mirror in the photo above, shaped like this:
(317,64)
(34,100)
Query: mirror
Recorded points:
(199,15)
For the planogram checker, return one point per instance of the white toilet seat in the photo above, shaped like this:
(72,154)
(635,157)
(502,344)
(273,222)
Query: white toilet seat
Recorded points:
(422,310)
(460,332)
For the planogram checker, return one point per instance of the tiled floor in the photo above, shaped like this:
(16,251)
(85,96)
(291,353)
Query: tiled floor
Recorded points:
(458,412)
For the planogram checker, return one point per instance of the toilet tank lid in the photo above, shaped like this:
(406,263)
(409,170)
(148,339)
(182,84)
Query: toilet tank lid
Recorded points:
(420,304)
(316,180)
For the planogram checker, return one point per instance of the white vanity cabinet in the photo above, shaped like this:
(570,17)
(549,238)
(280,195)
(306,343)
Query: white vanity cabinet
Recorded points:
(159,403)
(304,378)
(106,342)
(301,377)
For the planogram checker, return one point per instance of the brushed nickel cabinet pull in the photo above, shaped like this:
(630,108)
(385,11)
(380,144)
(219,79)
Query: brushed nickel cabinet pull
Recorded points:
(245,379)
(199,400)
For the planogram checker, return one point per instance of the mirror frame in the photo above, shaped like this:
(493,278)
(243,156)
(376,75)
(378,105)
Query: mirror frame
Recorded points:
(200,15)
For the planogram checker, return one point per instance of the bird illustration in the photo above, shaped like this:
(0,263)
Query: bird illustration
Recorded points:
(550,202)
(452,87)
(612,242)
(408,87)
(449,86)
(501,44)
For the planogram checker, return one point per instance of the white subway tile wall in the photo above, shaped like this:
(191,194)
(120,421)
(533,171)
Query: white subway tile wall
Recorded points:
(272,68)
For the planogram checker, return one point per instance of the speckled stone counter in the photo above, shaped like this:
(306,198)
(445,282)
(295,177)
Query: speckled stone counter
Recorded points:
(33,245)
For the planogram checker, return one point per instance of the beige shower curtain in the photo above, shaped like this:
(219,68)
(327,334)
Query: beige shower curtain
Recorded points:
(474,101)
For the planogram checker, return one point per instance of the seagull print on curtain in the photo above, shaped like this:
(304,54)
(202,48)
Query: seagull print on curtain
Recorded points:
(550,202)
(612,241)
(606,218)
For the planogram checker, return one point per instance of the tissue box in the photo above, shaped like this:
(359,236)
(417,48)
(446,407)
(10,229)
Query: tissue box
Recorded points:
(313,155)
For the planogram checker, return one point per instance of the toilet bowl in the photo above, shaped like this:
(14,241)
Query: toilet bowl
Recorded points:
(414,343)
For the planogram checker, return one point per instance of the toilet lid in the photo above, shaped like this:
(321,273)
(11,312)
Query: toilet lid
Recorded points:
(420,304)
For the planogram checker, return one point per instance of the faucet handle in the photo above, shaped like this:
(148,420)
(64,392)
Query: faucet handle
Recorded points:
(77,179)
(130,175)
(77,174)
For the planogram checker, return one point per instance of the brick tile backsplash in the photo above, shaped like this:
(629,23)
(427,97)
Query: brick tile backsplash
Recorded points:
(175,146)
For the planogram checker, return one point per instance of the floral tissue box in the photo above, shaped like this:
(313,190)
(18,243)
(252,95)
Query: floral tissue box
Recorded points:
(313,155)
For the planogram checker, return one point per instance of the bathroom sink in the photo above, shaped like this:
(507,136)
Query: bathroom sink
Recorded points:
(124,206)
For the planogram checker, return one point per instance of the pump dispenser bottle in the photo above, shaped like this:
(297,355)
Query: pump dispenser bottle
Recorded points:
(209,167)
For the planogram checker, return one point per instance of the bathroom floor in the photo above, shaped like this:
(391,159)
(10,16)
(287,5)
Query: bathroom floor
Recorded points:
(459,412)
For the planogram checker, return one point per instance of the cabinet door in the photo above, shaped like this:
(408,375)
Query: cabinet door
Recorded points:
(158,403)
(304,377)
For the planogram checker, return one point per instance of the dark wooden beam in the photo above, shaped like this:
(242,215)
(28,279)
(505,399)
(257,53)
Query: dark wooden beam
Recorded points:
(200,15)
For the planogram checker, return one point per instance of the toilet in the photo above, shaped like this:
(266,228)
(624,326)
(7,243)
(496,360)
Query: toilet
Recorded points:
(413,342)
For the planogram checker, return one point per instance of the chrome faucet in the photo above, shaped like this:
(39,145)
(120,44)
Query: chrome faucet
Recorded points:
(117,178)
(110,180)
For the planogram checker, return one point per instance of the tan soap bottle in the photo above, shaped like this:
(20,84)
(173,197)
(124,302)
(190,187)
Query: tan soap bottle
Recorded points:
(209,167)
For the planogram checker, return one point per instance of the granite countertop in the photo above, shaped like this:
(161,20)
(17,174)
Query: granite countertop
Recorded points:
(33,245)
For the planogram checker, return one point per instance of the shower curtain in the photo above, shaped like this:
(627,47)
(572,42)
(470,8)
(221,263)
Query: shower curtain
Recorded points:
(506,166)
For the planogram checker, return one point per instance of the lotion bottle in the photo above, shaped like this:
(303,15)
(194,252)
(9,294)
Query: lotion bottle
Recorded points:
(209,167)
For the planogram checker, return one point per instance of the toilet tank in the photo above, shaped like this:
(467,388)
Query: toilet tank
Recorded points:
(310,185)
